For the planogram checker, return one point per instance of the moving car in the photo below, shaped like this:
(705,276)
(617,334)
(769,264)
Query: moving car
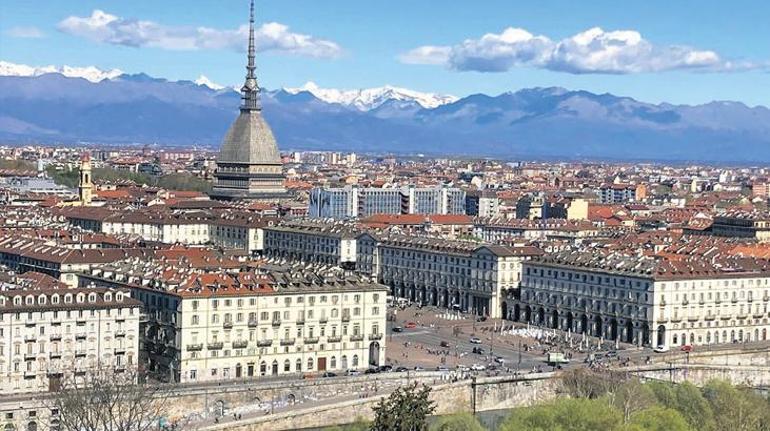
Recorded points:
(478,367)
(410,325)
(444,344)
(687,348)
(478,350)
(397,329)
(475,340)
(661,349)
(499,359)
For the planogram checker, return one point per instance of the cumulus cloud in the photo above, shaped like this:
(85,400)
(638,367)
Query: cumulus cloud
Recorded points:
(591,51)
(103,27)
(25,32)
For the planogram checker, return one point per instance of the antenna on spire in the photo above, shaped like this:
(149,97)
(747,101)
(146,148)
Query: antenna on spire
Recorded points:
(250,88)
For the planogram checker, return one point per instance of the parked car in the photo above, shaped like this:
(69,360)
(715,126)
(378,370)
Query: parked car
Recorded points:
(478,367)
(371,371)
(410,325)
(419,368)
(500,360)
(353,373)
(475,340)
(385,368)
(402,369)
(661,349)
(328,374)
(478,350)
(444,344)
(397,329)
(442,368)
(687,348)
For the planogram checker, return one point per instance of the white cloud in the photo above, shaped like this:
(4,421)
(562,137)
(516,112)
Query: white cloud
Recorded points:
(103,27)
(25,32)
(426,55)
(591,51)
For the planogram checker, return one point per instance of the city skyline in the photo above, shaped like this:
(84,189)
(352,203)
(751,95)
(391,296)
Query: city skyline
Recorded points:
(668,53)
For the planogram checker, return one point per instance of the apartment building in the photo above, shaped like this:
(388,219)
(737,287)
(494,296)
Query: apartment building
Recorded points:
(24,254)
(312,242)
(49,335)
(192,226)
(352,201)
(451,274)
(211,326)
(647,300)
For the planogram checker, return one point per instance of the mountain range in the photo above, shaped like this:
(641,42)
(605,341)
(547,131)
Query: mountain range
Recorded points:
(62,105)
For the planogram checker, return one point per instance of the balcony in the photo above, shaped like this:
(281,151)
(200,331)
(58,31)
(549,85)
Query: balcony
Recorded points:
(30,338)
(323,319)
(692,318)
(717,301)
(346,317)
(359,337)
(119,351)
(80,336)
(54,355)
(375,337)
(227,325)
(742,315)
(80,353)
(195,347)
(300,321)
(252,323)
(685,302)
(55,337)
(676,319)
(240,344)
(120,333)
(710,317)
(334,339)
(734,300)
(311,340)
(264,343)
(30,375)
(750,299)
(217,345)
(30,356)
(276,322)
(30,323)
(287,341)
(726,317)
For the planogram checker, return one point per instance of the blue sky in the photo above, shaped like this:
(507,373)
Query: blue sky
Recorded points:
(676,51)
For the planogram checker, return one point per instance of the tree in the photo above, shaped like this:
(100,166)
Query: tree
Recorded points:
(406,409)
(103,400)
(358,425)
(457,422)
(658,419)
(632,396)
(737,410)
(565,415)
(585,383)
(688,400)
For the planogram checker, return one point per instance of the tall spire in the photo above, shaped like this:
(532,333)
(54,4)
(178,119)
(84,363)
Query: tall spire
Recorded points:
(250,89)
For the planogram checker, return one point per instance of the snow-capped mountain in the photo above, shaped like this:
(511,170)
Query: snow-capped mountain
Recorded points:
(204,80)
(371,98)
(90,73)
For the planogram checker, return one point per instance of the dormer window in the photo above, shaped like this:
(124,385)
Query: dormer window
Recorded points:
(55,299)
(92,297)
(41,299)
(68,298)
(30,300)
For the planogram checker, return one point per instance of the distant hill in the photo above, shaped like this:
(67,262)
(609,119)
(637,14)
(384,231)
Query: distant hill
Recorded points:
(537,122)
